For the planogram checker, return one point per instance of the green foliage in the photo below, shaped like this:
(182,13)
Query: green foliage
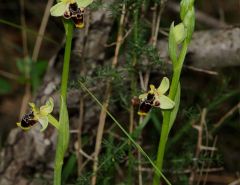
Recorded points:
(131,139)
(83,179)
(152,55)
(31,71)
(114,155)
(96,5)
(106,72)
(24,67)
(69,168)
(37,71)
(5,87)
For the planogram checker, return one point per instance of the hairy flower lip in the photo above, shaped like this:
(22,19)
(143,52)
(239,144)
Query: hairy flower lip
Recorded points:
(71,9)
(61,7)
(155,98)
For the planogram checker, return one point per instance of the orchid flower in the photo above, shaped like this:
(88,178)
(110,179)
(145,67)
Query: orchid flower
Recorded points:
(40,115)
(155,98)
(71,9)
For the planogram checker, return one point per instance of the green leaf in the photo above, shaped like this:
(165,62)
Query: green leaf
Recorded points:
(24,67)
(37,71)
(69,167)
(64,125)
(136,133)
(5,87)
(62,142)
(155,119)
(172,46)
(83,3)
(58,9)
(175,109)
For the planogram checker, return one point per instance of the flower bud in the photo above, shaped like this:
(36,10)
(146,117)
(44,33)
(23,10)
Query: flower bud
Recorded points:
(179,33)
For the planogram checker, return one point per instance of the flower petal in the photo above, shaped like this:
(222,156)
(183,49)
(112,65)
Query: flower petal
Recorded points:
(33,107)
(143,97)
(164,86)
(47,108)
(83,3)
(165,102)
(43,120)
(69,1)
(58,9)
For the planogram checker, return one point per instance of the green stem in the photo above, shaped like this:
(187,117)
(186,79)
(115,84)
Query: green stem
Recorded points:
(67,55)
(167,114)
(60,150)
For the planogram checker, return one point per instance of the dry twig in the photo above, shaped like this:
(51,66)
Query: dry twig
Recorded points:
(41,30)
(102,118)
(227,115)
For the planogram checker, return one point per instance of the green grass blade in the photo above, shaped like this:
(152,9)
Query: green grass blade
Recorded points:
(35,33)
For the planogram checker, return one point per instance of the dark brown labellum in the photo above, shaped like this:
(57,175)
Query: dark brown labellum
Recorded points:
(28,120)
(78,21)
(144,108)
(147,104)
(73,8)
(76,14)
(150,98)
